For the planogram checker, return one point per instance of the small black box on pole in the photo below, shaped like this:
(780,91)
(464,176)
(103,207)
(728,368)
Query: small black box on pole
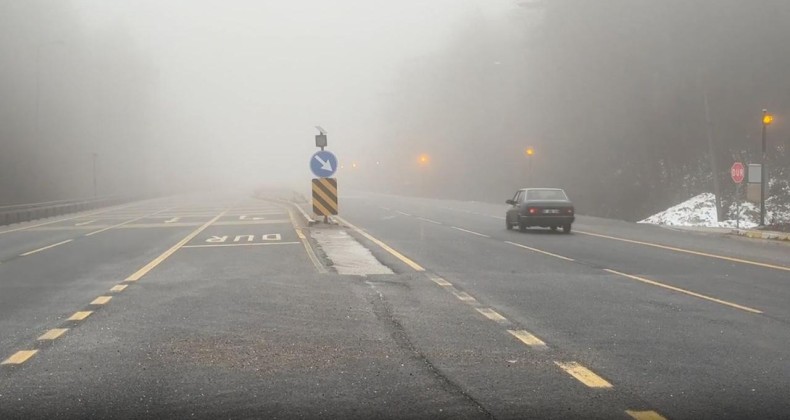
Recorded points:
(320,140)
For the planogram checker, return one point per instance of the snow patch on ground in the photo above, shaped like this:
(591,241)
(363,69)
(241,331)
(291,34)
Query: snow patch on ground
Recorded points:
(700,211)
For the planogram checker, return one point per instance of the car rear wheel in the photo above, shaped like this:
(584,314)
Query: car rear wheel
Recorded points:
(522,227)
(508,225)
(566,228)
(554,228)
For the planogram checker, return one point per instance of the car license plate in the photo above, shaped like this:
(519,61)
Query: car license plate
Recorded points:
(551,211)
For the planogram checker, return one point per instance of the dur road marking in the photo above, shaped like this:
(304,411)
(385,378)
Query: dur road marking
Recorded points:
(688,251)
(583,375)
(53,334)
(645,415)
(684,291)
(19,357)
(45,248)
(386,247)
(239,245)
(165,255)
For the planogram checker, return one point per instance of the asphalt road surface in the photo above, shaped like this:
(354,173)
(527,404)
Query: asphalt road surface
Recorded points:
(224,306)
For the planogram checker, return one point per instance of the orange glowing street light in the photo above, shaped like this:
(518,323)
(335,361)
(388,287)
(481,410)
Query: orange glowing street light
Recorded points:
(424,159)
(767,119)
(529,151)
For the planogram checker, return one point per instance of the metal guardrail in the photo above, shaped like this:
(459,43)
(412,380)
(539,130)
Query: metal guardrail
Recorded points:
(26,212)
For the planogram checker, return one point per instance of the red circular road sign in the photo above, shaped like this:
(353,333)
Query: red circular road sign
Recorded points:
(737,172)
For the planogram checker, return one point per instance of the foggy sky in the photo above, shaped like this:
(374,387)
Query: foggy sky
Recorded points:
(241,84)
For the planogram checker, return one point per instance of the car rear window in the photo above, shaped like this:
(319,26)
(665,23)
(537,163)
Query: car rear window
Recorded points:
(546,195)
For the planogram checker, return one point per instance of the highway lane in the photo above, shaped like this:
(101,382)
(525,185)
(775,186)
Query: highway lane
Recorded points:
(221,305)
(41,286)
(235,320)
(686,355)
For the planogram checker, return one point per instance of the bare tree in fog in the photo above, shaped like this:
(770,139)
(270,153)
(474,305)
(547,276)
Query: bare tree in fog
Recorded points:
(67,92)
(629,104)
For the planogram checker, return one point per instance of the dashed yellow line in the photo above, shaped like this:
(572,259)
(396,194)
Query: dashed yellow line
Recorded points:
(386,247)
(583,375)
(645,415)
(53,334)
(540,251)
(491,314)
(440,281)
(79,316)
(19,357)
(688,251)
(684,291)
(118,288)
(527,338)
(101,300)
(466,297)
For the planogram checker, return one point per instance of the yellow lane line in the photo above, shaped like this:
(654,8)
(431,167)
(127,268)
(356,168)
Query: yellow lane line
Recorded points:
(492,314)
(688,251)
(118,288)
(236,245)
(305,243)
(165,255)
(645,415)
(469,231)
(684,291)
(101,300)
(583,375)
(527,338)
(540,251)
(79,316)
(126,222)
(53,334)
(66,219)
(19,357)
(440,281)
(45,248)
(466,297)
(386,247)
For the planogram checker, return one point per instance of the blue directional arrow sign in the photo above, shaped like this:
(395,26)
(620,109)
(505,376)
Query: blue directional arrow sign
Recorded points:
(323,164)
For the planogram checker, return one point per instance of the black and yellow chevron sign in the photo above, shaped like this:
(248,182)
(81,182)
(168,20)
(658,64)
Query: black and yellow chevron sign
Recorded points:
(325,196)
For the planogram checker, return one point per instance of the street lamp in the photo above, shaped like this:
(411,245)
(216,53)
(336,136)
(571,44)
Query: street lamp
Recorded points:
(530,152)
(767,120)
(424,159)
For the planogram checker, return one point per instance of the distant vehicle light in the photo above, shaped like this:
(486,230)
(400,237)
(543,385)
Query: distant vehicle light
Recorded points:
(533,210)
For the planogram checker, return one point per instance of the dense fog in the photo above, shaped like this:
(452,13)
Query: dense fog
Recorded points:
(630,105)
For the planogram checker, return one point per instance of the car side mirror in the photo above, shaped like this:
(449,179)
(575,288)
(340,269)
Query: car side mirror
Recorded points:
(511,202)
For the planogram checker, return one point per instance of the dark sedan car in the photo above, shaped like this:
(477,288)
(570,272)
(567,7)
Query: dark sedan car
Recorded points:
(544,207)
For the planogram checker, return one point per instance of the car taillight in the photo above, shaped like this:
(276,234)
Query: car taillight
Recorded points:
(570,211)
(533,210)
